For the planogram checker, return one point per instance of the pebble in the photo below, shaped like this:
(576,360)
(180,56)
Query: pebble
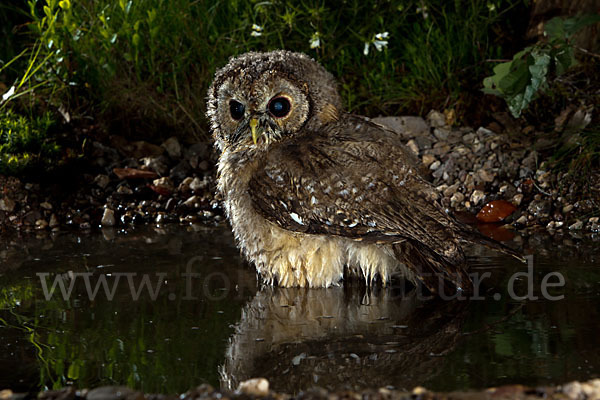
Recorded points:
(578,225)
(102,180)
(517,199)
(435,165)
(108,218)
(53,221)
(412,145)
(172,146)
(522,220)
(567,208)
(193,202)
(485,175)
(6,204)
(258,387)
(428,159)
(476,197)
(436,119)
(124,190)
(46,206)
(41,224)
(198,184)
(457,198)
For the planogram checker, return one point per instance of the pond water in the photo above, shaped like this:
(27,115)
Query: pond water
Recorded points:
(164,310)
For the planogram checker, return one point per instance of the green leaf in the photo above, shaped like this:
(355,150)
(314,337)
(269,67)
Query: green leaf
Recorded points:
(575,24)
(564,58)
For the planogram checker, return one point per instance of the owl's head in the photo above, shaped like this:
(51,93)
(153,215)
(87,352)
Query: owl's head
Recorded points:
(261,98)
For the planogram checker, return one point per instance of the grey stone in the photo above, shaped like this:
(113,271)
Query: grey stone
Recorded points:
(406,126)
(108,218)
(172,146)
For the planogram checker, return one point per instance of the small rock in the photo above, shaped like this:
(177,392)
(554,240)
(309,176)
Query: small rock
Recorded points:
(457,198)
(412,145)
(484,132)
(539,208)
(517,199)
(428,159)
(450,190)
(573,390)
(192,202)
(142,149)
(184,186)
(198,184)
(108,218)
(441,134)
(46,206)
(172,146)
(522,220)
(436,164)
(102,180)
(258,387)
(7,204)
(125,190)
(41,224)
(114,393)
(162,186)
(485,175)
(578,225)
(469,138)
(157,164)
(436,119)
(53,221)
(476,197)
(593,220)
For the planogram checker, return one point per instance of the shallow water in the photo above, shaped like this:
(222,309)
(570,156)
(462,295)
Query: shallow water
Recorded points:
(206,320)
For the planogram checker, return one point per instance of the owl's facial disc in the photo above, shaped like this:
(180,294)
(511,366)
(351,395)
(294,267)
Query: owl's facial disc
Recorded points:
(260,111)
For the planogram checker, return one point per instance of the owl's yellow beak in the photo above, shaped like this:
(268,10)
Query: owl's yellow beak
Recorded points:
(253,125)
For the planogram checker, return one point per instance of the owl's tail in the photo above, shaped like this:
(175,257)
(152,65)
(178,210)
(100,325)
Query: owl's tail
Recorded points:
(442,275)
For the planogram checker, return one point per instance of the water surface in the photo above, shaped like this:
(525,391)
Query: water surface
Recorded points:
(201,318)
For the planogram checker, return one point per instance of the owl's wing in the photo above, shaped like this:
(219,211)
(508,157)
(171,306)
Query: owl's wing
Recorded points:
(361,186)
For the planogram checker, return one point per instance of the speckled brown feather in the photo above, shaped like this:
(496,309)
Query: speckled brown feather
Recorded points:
(338,184)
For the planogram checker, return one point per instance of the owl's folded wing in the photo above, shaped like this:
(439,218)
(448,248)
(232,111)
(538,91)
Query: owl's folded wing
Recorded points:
(343,190)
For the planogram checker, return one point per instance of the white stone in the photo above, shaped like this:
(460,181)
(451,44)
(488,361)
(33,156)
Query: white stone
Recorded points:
(258,387)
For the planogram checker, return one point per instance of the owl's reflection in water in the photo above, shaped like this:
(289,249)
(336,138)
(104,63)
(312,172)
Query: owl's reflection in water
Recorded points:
(340,338)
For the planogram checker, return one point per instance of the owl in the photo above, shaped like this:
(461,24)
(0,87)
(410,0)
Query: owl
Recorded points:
(315,194)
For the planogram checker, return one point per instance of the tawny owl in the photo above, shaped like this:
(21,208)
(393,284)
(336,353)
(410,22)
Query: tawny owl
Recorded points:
(314,193)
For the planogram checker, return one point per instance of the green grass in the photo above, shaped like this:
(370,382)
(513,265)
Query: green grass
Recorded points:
(26,144)
(144,66)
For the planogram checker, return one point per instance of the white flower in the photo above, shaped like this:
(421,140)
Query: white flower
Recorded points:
(380,43)
(366,49)
(8,94)
(256,30)
(315,40)
(423,10)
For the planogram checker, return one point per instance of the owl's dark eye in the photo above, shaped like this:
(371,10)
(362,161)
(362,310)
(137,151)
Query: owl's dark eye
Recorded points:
(279,107)
(236,109)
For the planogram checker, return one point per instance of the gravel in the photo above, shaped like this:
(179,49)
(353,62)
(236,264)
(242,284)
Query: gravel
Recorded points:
(137,182)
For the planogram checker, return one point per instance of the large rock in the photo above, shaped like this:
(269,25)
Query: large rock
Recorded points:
(407,126)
